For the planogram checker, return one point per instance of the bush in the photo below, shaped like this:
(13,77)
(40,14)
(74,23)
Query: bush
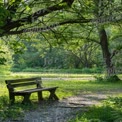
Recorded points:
(86,70)
(113,78)
(92,70)
(4,69)
(16,69)
(99,78)
(54,70)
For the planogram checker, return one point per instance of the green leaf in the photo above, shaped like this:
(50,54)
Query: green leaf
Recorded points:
(28,8)
(63,4)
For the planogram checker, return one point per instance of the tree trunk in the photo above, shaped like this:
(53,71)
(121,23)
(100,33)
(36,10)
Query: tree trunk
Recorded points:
(106,53)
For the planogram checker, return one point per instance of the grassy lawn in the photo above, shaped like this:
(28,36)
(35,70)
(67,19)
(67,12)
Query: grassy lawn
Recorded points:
(50,75)
(67,87)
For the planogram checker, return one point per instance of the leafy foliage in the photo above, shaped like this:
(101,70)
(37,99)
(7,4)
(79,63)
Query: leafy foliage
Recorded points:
(5,55)
(13,112)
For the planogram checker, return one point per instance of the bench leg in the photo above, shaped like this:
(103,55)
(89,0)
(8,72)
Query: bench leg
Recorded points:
(53,96)
(26,98)
(12,98)
(40,96)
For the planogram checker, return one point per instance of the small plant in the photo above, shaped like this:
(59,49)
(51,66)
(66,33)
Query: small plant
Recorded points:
(99,78)
(116,103)
(113,78)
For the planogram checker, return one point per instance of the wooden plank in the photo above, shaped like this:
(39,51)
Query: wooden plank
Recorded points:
(23,84)
(22,80)
(36,90)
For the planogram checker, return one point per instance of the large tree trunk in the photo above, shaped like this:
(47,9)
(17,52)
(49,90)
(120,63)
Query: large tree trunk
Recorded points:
(106,53)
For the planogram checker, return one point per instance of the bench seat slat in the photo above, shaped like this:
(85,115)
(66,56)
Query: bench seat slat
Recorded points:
(35,90)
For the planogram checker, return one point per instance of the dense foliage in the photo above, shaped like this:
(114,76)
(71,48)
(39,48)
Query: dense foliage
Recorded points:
(86,30)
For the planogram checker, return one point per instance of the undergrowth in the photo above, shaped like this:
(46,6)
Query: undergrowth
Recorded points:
(113,78)
(109,111)
(13,112)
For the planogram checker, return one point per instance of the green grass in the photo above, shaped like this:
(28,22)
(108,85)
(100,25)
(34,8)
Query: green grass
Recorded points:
(67,87)
(51,75)
(79,86)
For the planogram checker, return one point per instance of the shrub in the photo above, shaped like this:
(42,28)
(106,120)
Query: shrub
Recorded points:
(92,70)
(113,78)
(4,69)
(99,78)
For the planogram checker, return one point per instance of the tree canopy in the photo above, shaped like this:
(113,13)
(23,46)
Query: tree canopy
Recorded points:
(79,20)
(20,16)
(16,15)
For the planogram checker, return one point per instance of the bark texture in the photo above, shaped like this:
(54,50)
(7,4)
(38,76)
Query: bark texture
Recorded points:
(106,53)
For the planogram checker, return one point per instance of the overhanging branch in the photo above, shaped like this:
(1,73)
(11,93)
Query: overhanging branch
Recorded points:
(47,28)
(33,17)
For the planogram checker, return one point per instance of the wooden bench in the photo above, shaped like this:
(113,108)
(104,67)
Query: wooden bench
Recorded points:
(24,87)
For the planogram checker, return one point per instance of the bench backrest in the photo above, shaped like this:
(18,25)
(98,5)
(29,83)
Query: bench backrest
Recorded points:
(27,83)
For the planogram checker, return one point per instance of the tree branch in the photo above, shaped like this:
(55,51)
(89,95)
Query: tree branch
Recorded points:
(13,8)
(33,17)
(42,29)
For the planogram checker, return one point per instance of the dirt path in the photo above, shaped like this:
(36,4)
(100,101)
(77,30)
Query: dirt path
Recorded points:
(63,110)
